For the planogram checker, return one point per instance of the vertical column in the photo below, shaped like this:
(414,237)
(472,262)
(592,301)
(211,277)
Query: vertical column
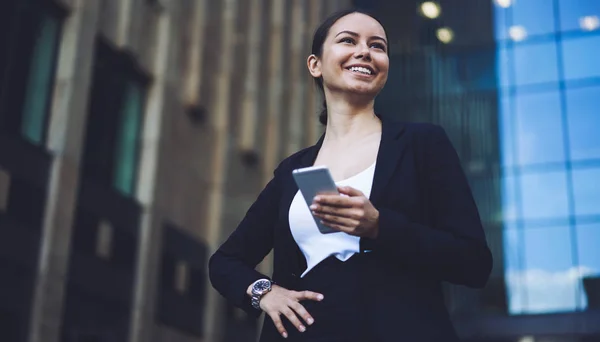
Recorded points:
(247,139)
(314,97)
(65,139)
(298,76)
(220,122)
(142,315)
(193,82)
(274,87)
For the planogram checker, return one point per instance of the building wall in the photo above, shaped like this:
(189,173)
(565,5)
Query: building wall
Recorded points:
(223,106)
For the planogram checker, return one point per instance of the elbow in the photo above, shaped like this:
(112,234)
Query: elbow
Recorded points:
(481,270)
(213,269)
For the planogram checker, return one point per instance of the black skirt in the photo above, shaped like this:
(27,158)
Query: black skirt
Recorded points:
(342,315)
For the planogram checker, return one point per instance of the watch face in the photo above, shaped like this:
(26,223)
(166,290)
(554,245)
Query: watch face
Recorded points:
(262,286)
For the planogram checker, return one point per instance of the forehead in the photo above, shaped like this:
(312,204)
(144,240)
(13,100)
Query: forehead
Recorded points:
(359,23)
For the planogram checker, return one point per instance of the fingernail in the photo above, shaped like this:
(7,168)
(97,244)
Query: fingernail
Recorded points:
(317,199)
(313,207)
(284,335)
(302,328)
(320,297)
(310,321)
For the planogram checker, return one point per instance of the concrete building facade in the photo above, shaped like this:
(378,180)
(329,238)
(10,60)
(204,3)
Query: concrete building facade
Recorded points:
(134,134)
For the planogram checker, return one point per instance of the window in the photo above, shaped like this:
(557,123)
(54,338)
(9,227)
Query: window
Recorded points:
(581,57)
(539,135)
(586,190)
(583,118)
(544,195)
(535,16)
(30,31)
(535,63)
(573,12)
(114,122)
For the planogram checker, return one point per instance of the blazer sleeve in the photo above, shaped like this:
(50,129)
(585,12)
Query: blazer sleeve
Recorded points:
(232,266)
(454,248)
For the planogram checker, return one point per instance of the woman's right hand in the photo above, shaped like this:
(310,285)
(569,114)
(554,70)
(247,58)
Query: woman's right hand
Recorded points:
(280,301)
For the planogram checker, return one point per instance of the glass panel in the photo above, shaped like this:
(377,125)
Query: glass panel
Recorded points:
(582,113)
(586,188)
(580,57)
(127,143)
(509,198)
(588,237)
(536,16)
(535,63)
(539,128)
(501,15)
(550,277)
(40,82)
(574,14)
(513,268)
(506,131)
(504,66)
(544,195)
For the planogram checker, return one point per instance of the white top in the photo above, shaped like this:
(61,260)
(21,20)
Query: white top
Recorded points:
(316,246)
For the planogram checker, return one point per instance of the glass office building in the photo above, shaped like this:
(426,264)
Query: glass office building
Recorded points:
(516,84)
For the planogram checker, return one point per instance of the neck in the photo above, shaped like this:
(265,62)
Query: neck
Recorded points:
(350,121)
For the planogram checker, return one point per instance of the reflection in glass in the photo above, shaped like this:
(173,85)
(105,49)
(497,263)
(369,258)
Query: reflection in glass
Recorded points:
(509,199)
(539,128)
(588,255)
(586,190)
(571,11)
(549,278)
(513,268)
(537,16)
(580,57)
(535,63)
(544,195)
(500,21)
(506,131)
(584,121)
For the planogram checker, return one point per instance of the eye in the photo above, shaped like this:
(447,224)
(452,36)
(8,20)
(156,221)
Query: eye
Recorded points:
(348,40)
(379,46)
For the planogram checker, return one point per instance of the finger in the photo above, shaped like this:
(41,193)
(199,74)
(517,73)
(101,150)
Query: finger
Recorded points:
(351,213)
(308,295)
(301,311)
(340,228)
(339,220)
(350,191)
(291,315)
(278,324)
(334,200)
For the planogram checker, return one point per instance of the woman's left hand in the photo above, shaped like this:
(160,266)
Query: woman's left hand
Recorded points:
(353,214)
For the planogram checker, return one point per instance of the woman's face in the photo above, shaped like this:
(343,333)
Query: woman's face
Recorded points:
(354,57)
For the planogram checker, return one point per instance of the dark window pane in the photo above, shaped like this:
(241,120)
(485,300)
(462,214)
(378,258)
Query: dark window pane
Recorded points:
(580,57)
(586,189)
(549,277)
(536,16)
(535,63)
(40,81)
(544,195)
(584,120)
(539,128)
(574,12)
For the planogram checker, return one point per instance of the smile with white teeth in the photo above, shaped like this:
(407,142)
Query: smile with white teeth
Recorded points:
(361,70)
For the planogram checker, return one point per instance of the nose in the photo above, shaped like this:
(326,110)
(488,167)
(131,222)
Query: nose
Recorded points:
(363,52)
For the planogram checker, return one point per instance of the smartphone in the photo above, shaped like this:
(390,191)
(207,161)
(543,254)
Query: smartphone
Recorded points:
(312,181)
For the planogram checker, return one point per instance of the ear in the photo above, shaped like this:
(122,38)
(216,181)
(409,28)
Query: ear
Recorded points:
(314,66)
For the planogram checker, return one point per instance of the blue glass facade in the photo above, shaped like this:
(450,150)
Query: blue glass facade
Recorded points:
(549,95)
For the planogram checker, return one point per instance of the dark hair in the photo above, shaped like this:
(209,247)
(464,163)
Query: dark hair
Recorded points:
(317,47)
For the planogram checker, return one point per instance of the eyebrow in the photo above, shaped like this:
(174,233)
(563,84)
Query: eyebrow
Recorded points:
(356,35)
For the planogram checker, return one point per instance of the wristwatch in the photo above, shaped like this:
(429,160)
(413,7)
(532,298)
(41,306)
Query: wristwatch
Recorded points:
(259,289)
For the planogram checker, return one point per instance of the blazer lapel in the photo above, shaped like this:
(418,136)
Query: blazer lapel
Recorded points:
(391,150)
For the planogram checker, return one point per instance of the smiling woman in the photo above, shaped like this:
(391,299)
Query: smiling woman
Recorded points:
(403,222)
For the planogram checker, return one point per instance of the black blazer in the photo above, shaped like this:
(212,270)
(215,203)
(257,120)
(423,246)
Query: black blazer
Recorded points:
(429,232)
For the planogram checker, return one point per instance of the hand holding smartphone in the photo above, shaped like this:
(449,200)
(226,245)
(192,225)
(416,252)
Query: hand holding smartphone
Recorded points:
(312,181)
